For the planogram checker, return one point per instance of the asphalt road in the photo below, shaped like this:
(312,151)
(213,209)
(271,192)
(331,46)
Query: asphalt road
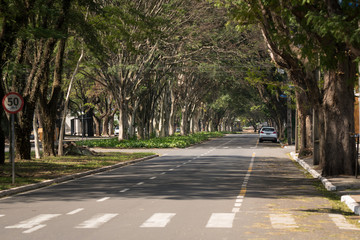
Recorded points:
(227,188)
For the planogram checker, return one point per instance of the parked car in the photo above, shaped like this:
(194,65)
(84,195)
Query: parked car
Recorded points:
(268,134)
(116,131)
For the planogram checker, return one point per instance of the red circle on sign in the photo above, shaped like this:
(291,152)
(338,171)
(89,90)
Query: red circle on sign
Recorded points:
(13,102)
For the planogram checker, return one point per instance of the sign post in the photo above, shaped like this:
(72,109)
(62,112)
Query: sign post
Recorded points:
(13,103)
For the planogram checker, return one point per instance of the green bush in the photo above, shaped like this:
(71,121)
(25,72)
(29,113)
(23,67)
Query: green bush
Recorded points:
(176,141)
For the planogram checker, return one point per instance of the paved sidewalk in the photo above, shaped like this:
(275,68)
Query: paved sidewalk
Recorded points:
(348,187)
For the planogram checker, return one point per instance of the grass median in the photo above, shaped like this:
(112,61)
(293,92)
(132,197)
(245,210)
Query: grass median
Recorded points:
(38,170)
(176,141)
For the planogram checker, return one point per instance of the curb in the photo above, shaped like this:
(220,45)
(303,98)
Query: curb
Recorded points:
(46,183)
(351,203)
(347,199)
(327,184)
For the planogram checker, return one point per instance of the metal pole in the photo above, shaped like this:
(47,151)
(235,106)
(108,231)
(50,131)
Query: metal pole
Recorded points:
(12,148)
(289,120)
(297,131)
(357,154)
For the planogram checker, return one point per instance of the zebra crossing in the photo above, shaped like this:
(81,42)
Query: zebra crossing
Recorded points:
(281,221)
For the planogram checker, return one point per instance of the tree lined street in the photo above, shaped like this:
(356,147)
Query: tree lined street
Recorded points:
(227,188)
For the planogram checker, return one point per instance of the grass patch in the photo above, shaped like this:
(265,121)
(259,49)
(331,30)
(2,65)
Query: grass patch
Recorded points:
(37,170)
(176,141)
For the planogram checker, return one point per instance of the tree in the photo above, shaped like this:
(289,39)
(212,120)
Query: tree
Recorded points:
(290,34)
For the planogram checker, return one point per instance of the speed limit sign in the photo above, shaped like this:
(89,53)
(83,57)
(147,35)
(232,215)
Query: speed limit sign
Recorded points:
(13,102)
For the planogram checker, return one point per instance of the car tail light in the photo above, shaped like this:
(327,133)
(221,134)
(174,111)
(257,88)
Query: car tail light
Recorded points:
(262,132)
(274,132)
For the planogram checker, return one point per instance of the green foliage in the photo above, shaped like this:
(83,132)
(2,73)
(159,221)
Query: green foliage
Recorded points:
(176,141)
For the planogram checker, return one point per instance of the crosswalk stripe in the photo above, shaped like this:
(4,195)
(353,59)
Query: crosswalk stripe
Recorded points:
(340,222)
(34,228)
(158,220)
(35,221)
(75,211)
(97,220)
(221,220)
(281,221)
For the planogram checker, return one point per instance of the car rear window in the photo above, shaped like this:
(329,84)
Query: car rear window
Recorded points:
(268,129)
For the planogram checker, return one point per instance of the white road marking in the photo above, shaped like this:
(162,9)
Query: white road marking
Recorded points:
(178,166)
(125,190)
(34,223)
(2,215)
(163,173)
(152,178)
(140,183)
(237,204)
(75,211)
(103,199)
(340,222)
(282,221)
(226,147)
(239,200)
(235,210)
(158,220)
(221,220)
(34,228)
(97,220)
(171,169)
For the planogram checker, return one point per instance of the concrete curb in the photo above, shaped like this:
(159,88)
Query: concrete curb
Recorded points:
(327,184)
(45,183)
(347,199)
(351,203)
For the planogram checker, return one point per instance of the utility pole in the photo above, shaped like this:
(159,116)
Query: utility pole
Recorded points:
(289,120)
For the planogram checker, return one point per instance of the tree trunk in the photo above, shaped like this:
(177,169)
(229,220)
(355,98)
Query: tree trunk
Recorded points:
(48,132)
(97,126)
(66,105)
(339,153)
(36,137)
(123,123)
(184,120)
(303,108)
(172,113)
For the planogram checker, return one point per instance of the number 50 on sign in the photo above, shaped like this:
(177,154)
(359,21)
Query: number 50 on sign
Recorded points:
(13,102)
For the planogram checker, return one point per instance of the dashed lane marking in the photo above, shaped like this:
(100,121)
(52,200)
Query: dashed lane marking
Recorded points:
(235,210)
(75,211)
(125,190)
(97,220)
(158,220)
(152,178)
(103,199)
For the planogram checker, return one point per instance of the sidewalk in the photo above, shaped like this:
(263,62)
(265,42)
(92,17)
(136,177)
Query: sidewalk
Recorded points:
(348,187)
